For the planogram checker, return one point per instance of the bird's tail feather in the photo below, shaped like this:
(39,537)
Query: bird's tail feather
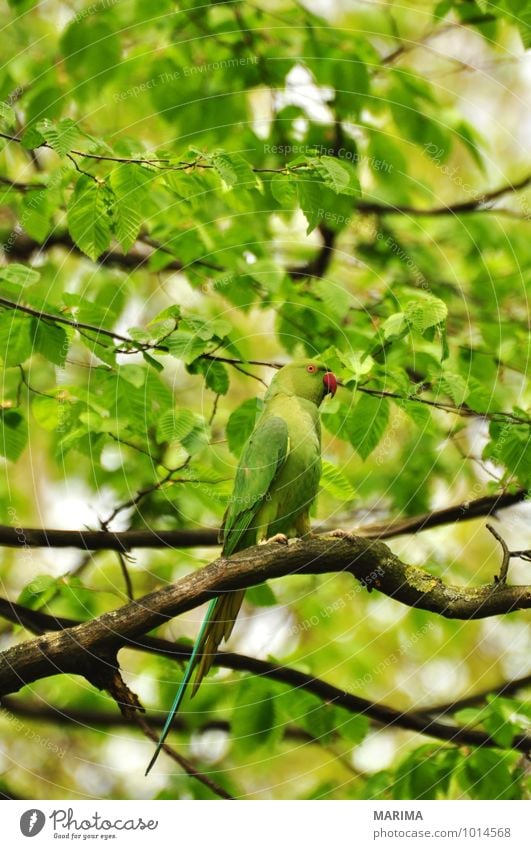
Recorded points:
(216,626)
(221,623)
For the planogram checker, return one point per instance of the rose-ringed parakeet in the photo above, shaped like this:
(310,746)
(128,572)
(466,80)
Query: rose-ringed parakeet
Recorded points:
(276,483)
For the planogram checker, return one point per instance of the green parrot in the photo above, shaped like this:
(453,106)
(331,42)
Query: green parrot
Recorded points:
(276,483)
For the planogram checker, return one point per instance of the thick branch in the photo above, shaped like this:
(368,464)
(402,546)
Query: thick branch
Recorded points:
(369,561)
(127,540)
(421,721)
(487,505)
(475,204)
(141,253)
(416,720)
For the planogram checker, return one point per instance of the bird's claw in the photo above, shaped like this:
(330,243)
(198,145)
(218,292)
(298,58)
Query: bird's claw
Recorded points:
(340,533)
(280,538)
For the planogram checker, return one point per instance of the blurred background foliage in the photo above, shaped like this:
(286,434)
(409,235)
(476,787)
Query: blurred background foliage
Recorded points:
(189,188)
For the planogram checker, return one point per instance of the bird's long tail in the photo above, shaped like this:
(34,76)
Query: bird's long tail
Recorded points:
(216,626)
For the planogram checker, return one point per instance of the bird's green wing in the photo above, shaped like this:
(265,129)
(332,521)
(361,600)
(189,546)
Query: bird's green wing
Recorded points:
(263,456)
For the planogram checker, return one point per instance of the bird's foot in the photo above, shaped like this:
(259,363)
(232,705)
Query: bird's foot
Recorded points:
(340,533)
(280,538)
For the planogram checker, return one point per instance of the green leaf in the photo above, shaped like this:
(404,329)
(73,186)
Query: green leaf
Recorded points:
(16,343)
(241,423)
(485,774)
(351,726)
(310,199)
(129,183)
(175,425)
(62,135)
(50,413)
(266,272)
(471,139)
(91,53)
(186,346)
(195,441)
(234,170)
(50,340)
(13,434)
(261,596)
(216,375)
(367,424)
(338,175)
(38,592)
(253,721)
(426,311)
(7,115)
(335,482)
(88,221)
(19,275)
(284,190)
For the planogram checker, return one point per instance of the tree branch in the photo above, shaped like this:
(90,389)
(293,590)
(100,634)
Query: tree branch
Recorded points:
(131,709)
(421,721)
(124,541)
(371,562)
(507,688)
(140,255)
(474,204)
(459,409)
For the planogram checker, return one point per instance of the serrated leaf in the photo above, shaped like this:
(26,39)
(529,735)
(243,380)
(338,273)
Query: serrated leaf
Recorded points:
(129,183)
(358,366)
(455,386)
(234,170)
(310,200)
(336,299)
(335,482)
(133,374)
(284,190)
(338,175)
(88,222)
(13,434)
(7,115)
(51,341)
(195,441)
(16,344)
(62,135)
(394,326)
(267,273)
(425,312)
(19,275)
(186,346)
(216,375)
(175,425)
(367,423)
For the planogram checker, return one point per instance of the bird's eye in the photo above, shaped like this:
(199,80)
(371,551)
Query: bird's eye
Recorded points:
(311,368)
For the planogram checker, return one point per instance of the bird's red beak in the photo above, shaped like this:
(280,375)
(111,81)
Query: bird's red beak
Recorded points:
(330,382)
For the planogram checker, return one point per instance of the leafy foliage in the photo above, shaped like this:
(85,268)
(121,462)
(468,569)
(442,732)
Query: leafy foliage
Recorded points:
(190,199)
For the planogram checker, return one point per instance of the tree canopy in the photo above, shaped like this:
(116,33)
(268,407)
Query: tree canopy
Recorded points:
(193,195)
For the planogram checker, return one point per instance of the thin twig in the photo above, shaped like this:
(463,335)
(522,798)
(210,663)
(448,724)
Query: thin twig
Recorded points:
(126,575)
(502,577)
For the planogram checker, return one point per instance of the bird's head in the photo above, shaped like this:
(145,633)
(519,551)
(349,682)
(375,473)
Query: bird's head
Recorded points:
(307,379)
